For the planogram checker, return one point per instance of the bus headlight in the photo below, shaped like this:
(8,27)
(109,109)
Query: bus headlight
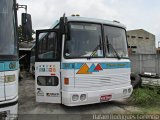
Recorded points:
(83,97)
(129,90)
(124,91)
(10,78)
(75,97)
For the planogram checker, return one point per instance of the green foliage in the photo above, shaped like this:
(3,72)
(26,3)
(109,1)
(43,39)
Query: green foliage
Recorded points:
(20,36)
(145,96)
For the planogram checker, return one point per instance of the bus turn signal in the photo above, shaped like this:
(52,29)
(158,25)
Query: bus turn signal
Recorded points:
(66,81)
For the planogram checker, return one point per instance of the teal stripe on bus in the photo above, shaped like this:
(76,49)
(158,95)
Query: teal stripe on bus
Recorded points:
(107,65)
(9,65)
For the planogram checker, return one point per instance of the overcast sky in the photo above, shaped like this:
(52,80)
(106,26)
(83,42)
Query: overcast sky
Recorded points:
(135,14)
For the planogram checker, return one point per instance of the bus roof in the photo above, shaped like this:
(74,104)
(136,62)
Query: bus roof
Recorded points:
(92,20)
(84,19)
(54,24)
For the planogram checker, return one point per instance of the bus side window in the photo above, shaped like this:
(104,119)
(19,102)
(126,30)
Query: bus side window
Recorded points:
(40,48)
(47,81)
(48,46)
(52,46)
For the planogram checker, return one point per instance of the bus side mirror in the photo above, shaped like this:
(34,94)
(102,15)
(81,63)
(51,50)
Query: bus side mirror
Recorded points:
(26,26)
(63,25)
(64,28)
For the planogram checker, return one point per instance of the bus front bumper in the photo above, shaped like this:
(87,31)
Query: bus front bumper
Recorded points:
(97,96)
(9,109)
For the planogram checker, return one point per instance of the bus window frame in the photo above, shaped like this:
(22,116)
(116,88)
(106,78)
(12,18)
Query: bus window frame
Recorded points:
(103,40)
(68,34)
(13,56)
(37,59)
(107,40)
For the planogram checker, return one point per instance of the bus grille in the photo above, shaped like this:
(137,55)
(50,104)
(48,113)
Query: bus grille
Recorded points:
(101,81)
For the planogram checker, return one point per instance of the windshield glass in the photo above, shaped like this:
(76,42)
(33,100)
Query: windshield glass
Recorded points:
(84,40)
(8,44)
(116,42)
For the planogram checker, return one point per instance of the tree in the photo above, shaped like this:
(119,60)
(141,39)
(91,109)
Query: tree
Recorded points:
(20,36)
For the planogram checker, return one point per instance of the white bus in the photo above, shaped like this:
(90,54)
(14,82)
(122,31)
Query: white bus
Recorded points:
(9,59)
(9,63)
(82,61)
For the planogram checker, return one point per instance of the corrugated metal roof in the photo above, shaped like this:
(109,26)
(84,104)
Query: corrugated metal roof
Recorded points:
(25,45)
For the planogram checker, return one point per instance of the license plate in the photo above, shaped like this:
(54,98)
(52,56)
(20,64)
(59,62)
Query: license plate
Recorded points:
(105,98)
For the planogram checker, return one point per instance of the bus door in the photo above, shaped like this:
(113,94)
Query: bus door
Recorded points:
(2,95)
(47,67)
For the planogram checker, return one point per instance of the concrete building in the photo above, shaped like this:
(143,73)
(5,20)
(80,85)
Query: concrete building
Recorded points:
(141,42)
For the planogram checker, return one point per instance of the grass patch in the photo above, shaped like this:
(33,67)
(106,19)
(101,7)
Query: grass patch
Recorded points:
(145,97)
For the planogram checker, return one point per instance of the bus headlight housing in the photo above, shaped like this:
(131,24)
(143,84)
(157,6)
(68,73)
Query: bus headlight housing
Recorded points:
(10,78)
(75,97)
(129,90)
(83,97)
(124,91)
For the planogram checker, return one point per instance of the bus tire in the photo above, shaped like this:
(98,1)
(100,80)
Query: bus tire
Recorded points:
(136,80)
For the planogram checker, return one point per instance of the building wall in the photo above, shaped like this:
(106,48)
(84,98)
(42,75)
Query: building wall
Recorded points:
(141,42)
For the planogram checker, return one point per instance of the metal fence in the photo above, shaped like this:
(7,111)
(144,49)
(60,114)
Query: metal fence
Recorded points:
(141,63)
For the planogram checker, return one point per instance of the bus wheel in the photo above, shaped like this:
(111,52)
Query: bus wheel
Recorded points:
(136,80)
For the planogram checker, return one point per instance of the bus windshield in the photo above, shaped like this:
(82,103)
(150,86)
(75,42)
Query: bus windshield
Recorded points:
(8,43)
(83,40)
(116,41)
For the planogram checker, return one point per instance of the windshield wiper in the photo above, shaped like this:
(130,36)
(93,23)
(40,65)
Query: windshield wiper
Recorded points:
(117,55)
(96,48)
